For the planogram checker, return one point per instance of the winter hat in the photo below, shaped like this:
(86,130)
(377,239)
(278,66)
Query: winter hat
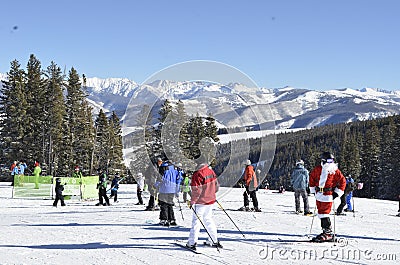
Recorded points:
(140,174)
(179,165)
(36,164)
(58,180)
(248,162)
(299,162)
(76,168)
(327,157)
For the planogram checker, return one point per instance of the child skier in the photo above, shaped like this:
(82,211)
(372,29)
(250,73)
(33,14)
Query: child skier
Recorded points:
(114,188)
(59,189)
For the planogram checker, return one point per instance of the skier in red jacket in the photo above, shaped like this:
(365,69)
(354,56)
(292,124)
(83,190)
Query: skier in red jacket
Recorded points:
(327,183)
(204,186)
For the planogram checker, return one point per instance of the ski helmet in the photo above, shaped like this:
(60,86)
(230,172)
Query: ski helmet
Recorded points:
(327,157)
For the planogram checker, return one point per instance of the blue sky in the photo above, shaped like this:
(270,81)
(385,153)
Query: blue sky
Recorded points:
(317,44)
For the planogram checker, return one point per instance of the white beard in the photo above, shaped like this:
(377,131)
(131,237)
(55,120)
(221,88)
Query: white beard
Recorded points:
(327,168)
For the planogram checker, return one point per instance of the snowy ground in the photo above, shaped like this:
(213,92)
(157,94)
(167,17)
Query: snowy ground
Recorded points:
(34,232)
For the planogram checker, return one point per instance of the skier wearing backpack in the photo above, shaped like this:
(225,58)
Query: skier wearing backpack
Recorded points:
(299,181)
(251,185)
(327,183)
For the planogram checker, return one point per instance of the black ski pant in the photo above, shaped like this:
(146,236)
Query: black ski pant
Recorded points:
(114,193)
(339,209)
(326,225)
(59,197)
(150,205)
(139,196)
(253,197)
(103,194)
(185,195)
(303,194)
(166,206)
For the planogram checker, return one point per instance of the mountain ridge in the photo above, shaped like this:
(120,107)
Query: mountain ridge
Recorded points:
(291,107)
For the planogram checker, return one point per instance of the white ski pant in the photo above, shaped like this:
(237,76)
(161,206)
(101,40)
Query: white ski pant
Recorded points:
(204,212)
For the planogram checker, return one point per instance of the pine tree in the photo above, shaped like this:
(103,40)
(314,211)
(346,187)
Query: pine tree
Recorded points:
(79,125)
(37,113)
(13,109)
(57,112)
(389,161)
(211,129)
(370,163)
(102,143)
(115,154)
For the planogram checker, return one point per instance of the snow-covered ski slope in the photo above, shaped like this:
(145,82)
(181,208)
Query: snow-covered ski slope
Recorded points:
(35,232)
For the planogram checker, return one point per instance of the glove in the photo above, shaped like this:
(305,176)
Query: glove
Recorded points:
(335,195)
(189,204)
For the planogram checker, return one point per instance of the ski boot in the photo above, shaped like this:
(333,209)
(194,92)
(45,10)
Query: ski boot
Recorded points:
(192,247)
(214,245)
(323,237)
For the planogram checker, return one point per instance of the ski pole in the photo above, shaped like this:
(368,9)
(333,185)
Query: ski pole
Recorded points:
(198,218)
(354,211)
(312,221)
(229,217)
(118,183)
(334,223)
(180,209)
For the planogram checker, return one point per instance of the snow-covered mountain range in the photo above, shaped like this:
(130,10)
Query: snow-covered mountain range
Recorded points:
(289,107)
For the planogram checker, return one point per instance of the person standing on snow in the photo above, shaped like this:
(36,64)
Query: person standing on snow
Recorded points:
(185,187)
(204,186)
(59,189)
(251,185)
(327,183)
(140,187)
(181,175)
(346,197)
(299,181)
(36,172)
(114,188)
(168,187)
(151,174)
(102,186)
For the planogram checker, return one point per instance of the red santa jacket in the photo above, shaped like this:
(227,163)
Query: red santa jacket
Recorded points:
(326,179)
(204,186)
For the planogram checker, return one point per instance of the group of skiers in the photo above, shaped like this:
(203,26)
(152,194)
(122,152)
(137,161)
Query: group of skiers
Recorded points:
(325,181)
(17,171)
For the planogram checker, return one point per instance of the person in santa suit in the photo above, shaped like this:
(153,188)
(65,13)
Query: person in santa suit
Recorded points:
(327,183)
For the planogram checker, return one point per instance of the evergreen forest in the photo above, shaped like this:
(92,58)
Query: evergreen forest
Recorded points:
(45,117)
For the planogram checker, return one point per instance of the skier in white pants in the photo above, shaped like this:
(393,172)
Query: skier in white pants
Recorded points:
(204,186)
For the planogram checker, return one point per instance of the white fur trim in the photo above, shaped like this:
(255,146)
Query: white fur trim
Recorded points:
(339,192)
(322,215)
(319,196)
(312,190)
